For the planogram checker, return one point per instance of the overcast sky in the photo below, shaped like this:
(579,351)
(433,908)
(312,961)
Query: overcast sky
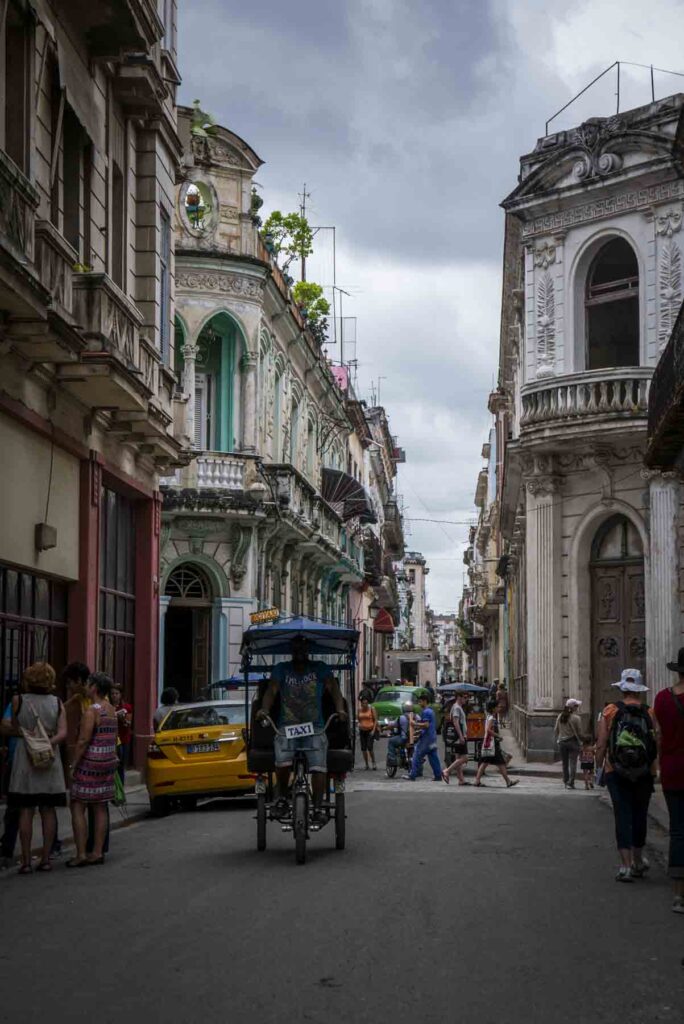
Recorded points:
(406,120)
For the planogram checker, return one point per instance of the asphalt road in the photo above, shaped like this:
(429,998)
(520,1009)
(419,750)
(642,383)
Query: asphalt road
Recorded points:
(488,906)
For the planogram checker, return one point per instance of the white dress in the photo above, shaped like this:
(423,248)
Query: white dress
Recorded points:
(29,786)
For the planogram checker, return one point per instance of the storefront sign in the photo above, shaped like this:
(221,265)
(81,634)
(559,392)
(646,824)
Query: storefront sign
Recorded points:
(267,615)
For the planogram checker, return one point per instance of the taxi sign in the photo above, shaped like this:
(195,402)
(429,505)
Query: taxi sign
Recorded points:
(266,615)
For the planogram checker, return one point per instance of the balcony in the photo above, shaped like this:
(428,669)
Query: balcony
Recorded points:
(393,529)
(666,405)
(115,27)
(585,403)
(20,290)
(218,472)
(117,371)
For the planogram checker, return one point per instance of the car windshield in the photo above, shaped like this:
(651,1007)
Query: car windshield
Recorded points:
(393,695)
(214,714)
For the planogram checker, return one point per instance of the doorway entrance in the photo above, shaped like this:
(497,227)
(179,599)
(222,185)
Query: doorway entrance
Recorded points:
(618,607)
(187,633)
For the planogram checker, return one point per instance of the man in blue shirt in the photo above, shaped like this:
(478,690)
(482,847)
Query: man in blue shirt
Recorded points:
(427,744)
(301,684)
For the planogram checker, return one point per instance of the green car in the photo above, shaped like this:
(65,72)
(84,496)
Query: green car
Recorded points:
(389,703)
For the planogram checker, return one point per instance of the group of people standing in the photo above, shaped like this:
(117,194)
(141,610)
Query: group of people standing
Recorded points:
(76,746)
(633,743)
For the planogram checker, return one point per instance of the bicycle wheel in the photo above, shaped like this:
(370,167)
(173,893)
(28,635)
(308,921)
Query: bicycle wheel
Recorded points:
(299,821)
(261,821)
(391,770)
(340,821)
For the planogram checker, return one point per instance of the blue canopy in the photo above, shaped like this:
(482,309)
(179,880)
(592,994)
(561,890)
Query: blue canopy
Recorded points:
(277,637)
(239,680)
(462,688)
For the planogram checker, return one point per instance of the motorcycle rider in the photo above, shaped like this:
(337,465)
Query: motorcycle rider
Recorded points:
(401,738)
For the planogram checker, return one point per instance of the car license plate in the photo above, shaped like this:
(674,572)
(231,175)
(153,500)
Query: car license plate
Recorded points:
(202,748)
(295,732)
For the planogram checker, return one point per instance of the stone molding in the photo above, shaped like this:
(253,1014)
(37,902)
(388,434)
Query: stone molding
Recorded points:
(598,209)
(239,285)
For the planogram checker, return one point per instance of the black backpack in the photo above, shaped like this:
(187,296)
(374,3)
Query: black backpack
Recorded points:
(631,744)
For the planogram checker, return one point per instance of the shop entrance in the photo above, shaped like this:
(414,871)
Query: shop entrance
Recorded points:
(187,633)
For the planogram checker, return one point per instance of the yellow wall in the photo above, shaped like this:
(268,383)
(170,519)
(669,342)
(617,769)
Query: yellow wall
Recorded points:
(24,475)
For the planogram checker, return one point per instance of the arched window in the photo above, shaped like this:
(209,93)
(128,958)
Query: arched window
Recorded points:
(612,307)
(277,443)
(188,582)
(294,433)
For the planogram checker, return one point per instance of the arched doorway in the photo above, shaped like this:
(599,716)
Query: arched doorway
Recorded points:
(187,632)
(618,606)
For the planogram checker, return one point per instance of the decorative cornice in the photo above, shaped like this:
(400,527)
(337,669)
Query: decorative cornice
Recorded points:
(610,206)
(239,285)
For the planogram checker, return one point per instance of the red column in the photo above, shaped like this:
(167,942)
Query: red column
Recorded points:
(147,524)
(83,596)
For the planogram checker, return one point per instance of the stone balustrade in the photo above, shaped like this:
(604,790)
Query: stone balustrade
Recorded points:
(110,322)
(55,261)
(217,471)
(608,393)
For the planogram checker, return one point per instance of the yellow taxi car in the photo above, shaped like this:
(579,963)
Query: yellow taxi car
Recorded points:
(199,750)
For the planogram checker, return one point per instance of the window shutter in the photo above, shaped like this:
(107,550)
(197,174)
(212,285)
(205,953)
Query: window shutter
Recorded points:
(200,413)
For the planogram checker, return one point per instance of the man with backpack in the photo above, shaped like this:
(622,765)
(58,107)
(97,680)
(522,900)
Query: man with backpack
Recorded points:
(627,750)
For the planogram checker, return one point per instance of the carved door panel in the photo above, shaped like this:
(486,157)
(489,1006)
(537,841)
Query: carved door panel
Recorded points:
(608,632)
(201,621)
(635,631)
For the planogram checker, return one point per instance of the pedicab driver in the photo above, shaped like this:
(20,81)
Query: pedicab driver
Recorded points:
(301,684)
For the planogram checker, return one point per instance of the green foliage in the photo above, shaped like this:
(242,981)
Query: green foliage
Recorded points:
(290,235)
(309,296)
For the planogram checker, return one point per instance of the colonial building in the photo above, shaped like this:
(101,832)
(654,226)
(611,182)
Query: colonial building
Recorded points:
(592,288)
(88,412)
(267,513)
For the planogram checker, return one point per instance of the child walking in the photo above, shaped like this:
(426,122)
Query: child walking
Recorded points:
(587,759)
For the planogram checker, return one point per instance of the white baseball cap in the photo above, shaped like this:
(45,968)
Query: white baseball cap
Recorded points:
(572,702)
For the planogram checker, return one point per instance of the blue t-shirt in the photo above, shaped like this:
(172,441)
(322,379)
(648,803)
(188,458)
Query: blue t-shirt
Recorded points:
(301,693)
(428,736)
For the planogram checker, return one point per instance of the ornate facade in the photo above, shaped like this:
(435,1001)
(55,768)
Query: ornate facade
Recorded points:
(257,519)
(592,287)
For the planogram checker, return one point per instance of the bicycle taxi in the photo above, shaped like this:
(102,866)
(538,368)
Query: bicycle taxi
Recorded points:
(267,644)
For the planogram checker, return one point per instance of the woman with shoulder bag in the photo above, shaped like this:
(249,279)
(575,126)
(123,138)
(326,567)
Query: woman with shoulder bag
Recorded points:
(491,752)
(568,733)
(37,780)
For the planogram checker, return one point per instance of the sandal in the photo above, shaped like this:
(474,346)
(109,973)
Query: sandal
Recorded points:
(95,860)
(76,863)
(44,866)
(513,782)
(445,776)
(25,869)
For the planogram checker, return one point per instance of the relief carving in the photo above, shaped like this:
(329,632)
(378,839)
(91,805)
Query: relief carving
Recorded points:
(545,256)
(667,222)
(608,647)
(593,138)
(546,327)
(670,289)
(227,284)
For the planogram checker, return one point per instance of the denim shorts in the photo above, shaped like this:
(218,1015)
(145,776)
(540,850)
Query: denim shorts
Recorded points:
(315,747)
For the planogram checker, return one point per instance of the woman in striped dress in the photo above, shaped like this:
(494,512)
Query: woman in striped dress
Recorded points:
(92,770)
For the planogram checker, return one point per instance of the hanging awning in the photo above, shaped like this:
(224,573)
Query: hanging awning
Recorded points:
(383,622)
(346,496)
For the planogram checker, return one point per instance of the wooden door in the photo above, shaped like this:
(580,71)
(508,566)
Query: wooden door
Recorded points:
(618,627)
(201,630)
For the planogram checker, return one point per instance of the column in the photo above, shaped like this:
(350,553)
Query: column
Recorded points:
(662,603)
(84,595)
(147,525)
(544,662)
(248,367)
(164,603)
(220,668)
(189,351)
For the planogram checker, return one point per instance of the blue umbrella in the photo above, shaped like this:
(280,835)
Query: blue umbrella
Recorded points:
(462,688)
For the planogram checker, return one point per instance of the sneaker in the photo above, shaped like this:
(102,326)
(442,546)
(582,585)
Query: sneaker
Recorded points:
(624,875)
(408,778)
(281,808)
(639,870)
(318,819)
(678,905)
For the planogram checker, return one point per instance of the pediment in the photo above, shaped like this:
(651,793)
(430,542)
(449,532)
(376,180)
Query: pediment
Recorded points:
(601,149)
